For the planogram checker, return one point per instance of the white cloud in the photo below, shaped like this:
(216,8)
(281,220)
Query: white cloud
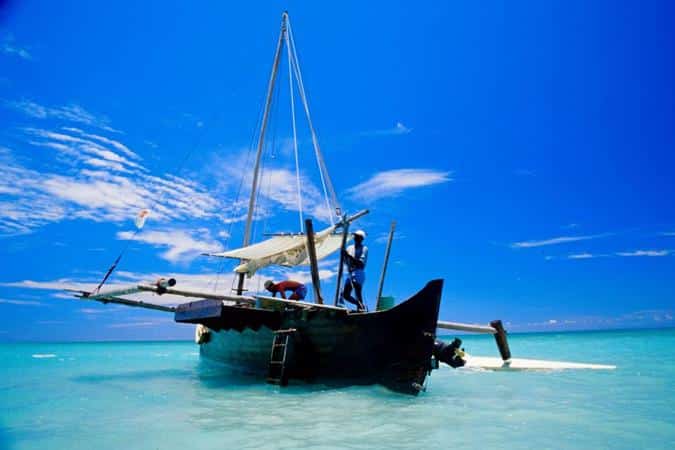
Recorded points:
(582,256)
(668,233)
(383,238)
(645,253)
(20,302)
(89,311)
(84,147)
(139,324)
(280,186)
(183,245)
(9,47)
(392,182)
(397,129)
(70,113)
(117,145)
(553,241)
(277,187)
(95,178)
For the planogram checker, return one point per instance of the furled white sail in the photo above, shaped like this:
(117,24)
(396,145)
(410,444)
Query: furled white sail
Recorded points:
(290,250)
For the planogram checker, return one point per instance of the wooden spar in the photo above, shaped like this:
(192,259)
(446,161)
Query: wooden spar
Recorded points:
(338,285)
(384,264)
(132,303)
(358,215)
(466,327)
(160,285)
(299,303)
(197,294)
(311,251)
(261,142)
(495,328)
(161,290)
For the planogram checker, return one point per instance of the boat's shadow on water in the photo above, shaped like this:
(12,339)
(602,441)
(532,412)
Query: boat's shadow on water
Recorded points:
(4,438)
(133,375)
(220,376)
(215,376)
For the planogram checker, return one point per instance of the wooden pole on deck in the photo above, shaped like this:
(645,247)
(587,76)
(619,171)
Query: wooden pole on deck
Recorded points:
(384,264)
(345,235)
(311,251)
(500,338)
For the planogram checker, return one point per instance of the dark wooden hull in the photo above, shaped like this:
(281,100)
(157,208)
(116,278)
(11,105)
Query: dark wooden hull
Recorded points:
(392,347)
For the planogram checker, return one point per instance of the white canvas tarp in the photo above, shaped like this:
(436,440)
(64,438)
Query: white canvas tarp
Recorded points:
(288,251)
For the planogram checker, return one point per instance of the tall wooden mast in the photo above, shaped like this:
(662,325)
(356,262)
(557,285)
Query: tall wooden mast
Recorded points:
(261,142)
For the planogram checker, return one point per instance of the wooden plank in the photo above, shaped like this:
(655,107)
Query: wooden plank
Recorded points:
(132,303)
(314,265)
(196,294)
(466,327)
(299,303)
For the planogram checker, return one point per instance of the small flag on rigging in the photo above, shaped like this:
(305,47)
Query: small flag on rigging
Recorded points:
(141,217)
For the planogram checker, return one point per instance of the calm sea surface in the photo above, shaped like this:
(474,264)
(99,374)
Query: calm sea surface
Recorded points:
(158,395)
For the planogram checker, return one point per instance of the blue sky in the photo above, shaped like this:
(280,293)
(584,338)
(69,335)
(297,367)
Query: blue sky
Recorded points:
(525,150)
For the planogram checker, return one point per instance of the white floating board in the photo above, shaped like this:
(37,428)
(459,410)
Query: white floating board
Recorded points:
(495,363)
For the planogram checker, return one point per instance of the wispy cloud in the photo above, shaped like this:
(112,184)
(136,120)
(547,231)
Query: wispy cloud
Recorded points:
(96,178)
(393,182)
(554,241)
(668,233)
(279,185)
(397,129)
(20,302)
(382,238)
(183,245)
(647,318)
(277,188)
(645,253)
(95,311)
(68,113)
(141,323)
(582,256)
(586,255)
(8,46)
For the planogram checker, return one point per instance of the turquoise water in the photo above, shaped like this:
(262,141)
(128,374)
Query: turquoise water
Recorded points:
(159,395)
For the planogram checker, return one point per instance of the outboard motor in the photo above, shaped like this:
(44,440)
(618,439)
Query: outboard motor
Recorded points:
(451,353)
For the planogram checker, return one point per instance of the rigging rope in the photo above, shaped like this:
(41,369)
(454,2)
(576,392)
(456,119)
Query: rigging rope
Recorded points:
(295,136)
(323,172)
(163,193)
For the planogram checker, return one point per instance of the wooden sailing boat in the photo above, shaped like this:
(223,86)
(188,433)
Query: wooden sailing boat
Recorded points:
(280,340)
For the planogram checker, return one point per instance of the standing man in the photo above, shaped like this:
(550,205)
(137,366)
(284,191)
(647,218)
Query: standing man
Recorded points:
(299,290)
(355,257)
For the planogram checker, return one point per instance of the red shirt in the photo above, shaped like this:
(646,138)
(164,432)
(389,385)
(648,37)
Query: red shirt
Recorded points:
(282,286)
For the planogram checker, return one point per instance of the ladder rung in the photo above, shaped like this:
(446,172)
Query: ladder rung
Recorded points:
(287,331)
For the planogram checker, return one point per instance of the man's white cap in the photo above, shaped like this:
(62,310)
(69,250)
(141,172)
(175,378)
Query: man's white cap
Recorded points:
(360,233)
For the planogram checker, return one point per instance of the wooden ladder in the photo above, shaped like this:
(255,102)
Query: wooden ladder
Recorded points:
(280,349)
